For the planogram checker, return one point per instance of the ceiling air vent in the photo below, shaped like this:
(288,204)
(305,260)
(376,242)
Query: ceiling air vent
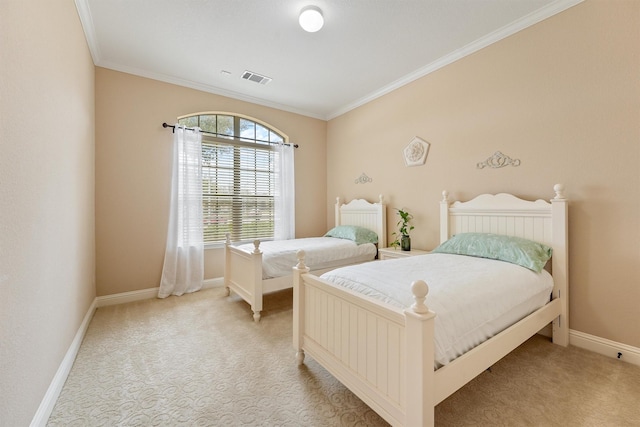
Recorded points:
(250,75)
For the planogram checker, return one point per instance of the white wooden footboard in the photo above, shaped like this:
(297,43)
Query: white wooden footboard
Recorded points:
(243,275)
(367,345)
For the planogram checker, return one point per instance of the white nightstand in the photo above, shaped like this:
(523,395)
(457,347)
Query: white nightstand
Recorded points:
(393,253)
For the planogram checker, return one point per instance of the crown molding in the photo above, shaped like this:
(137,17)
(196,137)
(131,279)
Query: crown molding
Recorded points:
(205,88)
(533,18)
(86,20)
(491,38)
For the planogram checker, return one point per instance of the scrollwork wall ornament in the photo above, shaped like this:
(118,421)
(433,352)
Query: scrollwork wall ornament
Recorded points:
(363,179)
(498,160)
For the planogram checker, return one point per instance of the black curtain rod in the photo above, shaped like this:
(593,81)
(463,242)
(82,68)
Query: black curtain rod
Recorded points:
(173,129)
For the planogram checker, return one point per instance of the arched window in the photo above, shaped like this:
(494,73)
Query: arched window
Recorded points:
(238,175)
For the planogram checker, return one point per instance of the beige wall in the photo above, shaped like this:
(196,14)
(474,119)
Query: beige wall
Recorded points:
(46,195)
(563,97)
(133,158)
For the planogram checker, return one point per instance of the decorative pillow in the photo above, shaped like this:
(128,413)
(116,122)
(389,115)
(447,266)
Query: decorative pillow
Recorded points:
(357,234)
(516,250)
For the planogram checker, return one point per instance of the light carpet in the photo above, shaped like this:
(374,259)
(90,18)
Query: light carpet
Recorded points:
(200,360)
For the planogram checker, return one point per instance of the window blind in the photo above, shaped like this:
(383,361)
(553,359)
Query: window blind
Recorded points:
(238,186)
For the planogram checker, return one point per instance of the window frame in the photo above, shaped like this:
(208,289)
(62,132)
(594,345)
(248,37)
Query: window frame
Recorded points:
(238,141)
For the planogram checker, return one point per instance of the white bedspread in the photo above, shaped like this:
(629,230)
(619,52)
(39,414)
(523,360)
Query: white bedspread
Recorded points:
(279,256)
(473,298)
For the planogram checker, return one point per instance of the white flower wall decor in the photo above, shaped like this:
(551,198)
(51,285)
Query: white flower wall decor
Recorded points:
(415,154)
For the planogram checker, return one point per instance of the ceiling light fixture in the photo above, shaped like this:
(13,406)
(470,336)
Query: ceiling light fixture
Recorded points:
(311,19)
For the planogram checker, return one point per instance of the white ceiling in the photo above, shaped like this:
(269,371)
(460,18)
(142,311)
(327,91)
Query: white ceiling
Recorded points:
(365,49)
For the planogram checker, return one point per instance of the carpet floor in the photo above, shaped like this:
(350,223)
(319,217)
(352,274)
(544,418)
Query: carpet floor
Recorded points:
(200,360)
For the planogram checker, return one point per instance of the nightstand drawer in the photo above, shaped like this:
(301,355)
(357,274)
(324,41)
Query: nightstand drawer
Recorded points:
(393,253)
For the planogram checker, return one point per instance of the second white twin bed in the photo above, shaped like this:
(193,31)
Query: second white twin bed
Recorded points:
(252,270)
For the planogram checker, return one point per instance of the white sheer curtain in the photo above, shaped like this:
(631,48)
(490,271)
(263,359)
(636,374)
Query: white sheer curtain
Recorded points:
(183,269)
(285,218)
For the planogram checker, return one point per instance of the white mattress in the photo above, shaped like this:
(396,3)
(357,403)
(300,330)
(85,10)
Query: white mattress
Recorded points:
(279,256)
(473,298)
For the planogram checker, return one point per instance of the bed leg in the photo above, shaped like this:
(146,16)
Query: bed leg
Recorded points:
(298,306)
(256,316)
(560,267)
(227,264)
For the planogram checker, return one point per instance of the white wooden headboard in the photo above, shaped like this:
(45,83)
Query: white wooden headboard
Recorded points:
(364,214)
(500,214)
(539,220)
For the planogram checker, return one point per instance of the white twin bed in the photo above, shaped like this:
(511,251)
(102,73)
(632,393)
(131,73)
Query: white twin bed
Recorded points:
(405,334)
(252,270)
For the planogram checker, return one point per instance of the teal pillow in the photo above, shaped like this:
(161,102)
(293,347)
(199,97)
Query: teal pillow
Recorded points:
(516,250)
(357,234)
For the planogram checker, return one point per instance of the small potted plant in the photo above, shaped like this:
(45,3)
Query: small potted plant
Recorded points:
(402,238)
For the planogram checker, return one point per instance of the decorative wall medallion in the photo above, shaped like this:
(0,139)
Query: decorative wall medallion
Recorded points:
(363,179)
(498,160)
(415,154)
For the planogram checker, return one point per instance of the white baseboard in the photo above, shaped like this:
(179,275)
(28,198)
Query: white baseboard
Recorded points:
(218,282)
(149,293)
(125,297)
(53,392)
(605,347)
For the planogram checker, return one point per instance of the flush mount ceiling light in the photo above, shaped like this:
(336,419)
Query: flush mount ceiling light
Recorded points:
(311,19)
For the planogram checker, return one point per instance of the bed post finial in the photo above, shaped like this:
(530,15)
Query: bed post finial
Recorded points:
(300,255)
(337,201)
(381,199)
(420,289)
(228,240)
(256,246)
(444,216)
(559,189)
